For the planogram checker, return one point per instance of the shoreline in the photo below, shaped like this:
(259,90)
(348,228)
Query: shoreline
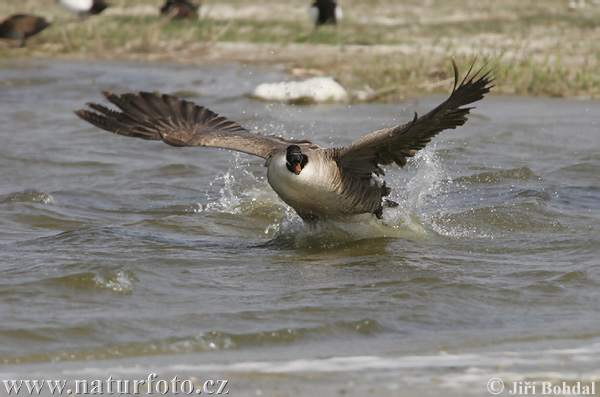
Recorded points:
(394,52)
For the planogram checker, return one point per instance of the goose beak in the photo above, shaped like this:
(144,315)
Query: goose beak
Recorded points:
(295,163)
(295,160)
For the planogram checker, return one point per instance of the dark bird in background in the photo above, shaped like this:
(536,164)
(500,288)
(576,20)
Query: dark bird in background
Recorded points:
(84,8)
(21,26)
(180,9)
(325,12)
(98,7)
(318,183)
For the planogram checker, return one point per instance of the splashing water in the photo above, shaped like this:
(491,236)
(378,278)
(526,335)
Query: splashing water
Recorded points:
(428,201)
(116,281)
(242,192)
(29,195)
(425,201)
(422,206)
(417,194)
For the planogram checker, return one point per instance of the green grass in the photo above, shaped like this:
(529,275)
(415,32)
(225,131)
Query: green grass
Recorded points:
(536,48)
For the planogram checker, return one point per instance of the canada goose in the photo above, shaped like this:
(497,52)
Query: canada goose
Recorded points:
(21,26)
(318,183)
(179,9)
(83,8)
(325,12)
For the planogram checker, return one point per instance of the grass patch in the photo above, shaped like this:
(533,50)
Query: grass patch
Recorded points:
(537,48)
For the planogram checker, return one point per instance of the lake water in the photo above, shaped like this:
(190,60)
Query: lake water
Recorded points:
(122,258)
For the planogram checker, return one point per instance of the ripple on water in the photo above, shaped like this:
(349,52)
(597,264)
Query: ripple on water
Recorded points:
(119,281)
(28,196)
(519,174)
(498,220)
(209,341)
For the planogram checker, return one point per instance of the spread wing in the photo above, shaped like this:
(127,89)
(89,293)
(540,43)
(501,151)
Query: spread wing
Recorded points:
(394,145)
(179,123)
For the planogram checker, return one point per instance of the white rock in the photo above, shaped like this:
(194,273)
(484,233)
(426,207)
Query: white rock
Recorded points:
(316,89)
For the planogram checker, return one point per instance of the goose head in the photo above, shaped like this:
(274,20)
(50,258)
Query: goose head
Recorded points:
(295,159)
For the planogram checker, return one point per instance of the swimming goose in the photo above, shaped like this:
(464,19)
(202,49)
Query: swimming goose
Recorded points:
(318,183)
(21,26)
(325,12)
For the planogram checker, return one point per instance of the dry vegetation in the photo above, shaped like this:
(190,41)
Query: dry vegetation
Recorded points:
(394,47)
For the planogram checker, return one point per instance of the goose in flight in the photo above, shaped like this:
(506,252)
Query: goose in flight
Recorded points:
(318,183)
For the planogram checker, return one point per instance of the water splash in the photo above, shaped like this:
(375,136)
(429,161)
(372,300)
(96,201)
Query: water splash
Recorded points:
(429,200)
(423,205)
(228,200)
(418,195)
(242,192)
(116,281)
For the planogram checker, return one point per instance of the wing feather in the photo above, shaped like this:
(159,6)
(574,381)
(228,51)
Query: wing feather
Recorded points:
(179,123)
(396,144)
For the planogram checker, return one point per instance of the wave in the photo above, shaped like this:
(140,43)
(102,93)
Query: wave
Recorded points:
(203,342)
(116,280)
(487,363)
(519,174)
(456,373)
(28,196)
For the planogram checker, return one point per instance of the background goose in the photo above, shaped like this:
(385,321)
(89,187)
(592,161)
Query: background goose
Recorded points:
(21,26)
(325,11)
(179,9)
(318,183)
(83,8)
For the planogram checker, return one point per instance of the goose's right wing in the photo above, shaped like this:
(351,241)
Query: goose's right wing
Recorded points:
(179,123)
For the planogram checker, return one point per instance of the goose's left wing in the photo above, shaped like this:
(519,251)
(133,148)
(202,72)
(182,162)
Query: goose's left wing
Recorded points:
(180,123)
(394,145)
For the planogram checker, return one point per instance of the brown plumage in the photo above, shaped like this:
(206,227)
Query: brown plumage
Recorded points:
(180,9)
(394,145)
(318,183)
(21,26)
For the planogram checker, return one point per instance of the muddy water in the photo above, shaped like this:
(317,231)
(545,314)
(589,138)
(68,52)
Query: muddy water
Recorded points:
(123,258)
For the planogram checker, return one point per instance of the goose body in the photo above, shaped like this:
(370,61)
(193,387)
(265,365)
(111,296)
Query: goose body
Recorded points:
(325,12)
(83,8)
(180,9)
(77,6)
(326,191)
(21,26)
(318,183)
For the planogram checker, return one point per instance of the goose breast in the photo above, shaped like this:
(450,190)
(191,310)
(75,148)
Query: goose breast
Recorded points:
(321,190)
